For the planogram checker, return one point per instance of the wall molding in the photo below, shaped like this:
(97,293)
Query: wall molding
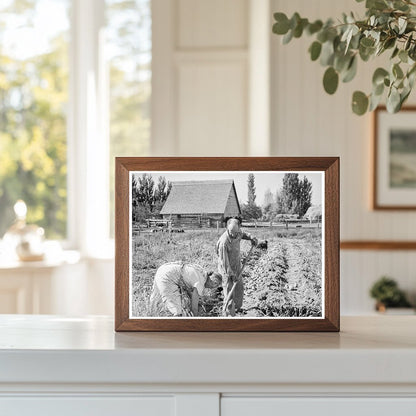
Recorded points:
(378,245)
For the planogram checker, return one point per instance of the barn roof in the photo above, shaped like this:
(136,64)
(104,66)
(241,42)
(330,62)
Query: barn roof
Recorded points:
(199,197)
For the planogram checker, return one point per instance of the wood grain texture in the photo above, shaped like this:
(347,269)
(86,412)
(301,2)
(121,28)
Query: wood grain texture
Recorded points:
(376,205)
(329,165)
(378,245)
(121,244)
(332,225)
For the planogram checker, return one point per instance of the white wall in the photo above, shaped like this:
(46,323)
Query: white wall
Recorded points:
(212,88)
(200,78)
(223,85)
(308,122)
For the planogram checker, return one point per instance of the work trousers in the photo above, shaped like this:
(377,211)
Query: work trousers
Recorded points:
(236,301)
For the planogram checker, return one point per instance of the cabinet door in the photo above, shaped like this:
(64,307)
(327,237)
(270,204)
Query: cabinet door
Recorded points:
(273,406)
(88,406)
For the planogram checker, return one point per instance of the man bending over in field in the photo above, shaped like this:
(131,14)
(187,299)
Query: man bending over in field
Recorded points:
(176,283)
(229,263)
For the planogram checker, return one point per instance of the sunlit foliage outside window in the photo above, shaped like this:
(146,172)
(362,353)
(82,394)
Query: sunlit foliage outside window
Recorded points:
(34,74)
(129,55)
(33,103)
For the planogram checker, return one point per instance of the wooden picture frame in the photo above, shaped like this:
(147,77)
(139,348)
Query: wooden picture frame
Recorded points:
(326,167)
(394,146)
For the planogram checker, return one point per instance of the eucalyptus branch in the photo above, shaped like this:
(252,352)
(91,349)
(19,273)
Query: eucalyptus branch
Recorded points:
(389,25)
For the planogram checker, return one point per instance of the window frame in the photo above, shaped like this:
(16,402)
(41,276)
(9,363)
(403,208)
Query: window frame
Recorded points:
(88,133)
(87,128)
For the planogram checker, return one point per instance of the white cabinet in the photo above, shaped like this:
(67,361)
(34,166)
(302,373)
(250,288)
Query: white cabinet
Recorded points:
(88,406)
(272,406)
(80,366)
(203,405)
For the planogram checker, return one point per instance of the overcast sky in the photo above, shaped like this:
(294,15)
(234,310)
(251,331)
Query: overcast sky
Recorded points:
(263,181)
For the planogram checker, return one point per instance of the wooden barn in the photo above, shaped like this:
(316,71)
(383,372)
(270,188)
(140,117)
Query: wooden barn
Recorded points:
(201,203)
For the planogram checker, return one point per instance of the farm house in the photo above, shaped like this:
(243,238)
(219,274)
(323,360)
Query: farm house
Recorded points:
(314,213)
(201,203)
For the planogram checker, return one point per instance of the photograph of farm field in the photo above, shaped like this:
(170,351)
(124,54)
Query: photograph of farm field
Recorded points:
(188,214)
(402,158)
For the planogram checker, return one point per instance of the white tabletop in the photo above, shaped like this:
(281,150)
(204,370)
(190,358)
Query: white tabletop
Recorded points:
(373,349)
(51,332)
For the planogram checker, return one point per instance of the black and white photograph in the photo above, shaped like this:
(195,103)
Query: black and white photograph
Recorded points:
(226,244)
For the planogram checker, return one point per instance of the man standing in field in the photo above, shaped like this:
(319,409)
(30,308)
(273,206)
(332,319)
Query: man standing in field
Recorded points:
(229,263)
(176,283)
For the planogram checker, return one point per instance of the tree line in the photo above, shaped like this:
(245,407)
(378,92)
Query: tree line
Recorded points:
(148,197)
(293,198)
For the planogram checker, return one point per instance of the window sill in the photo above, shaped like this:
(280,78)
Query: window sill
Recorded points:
(50,261)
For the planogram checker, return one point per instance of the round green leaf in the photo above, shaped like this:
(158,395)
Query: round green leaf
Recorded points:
(365,53)
(395,52)
(403,55)
(397,71)
(378,89)
(351,71)
(359,103)
(403,96)
(412,52)
(330,80)
(341,61)
(367,42)
(408,42)
(379,75)
(298,30)
(393,101)
(389,43)
(411,76)
(322,36)
(400,5)
(402,21)
(294,20)
(327,54)
(288,37)
(315,50)
(374,102)
(314,27)
(376,4)
(281,27)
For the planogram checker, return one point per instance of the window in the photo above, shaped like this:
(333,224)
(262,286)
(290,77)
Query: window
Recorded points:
(75,87)
(129,45)
(33,103)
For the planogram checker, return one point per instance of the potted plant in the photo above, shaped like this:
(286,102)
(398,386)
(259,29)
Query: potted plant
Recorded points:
(389,27)
(387,294)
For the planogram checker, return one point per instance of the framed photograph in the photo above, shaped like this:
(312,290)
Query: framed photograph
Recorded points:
(227,244)
(394,179)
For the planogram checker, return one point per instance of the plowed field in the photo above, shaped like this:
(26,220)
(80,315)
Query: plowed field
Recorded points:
(284,280)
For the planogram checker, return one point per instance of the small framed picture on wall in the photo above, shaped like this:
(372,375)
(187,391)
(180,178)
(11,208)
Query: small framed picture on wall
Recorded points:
(394,159)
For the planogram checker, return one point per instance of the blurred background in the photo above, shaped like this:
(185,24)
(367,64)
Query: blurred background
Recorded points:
(83,81)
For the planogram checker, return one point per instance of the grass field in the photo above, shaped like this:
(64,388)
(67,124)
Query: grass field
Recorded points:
(285,280)
(403,170)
